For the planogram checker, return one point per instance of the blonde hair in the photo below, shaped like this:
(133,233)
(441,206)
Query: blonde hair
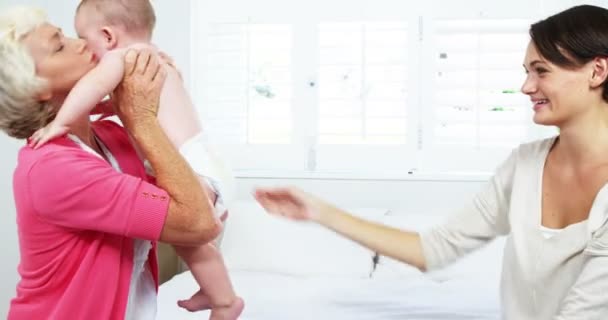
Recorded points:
(136,16)
(21,112)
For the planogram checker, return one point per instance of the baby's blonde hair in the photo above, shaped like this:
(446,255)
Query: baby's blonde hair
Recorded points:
(135,16)
(21,112)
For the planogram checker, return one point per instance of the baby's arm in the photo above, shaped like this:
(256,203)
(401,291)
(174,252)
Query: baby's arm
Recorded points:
(85,95)
(93,87)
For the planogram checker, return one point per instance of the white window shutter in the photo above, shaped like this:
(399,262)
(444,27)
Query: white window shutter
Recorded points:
(363,83)
(364,70)
(477,112)
(363,87)
(477,102)
(245,95)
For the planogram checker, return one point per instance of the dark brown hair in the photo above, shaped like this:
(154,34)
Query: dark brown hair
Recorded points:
(573,37)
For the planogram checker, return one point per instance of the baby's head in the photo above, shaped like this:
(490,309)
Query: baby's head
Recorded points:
(111,24)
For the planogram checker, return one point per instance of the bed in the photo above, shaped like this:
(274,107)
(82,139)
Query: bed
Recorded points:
(282,276)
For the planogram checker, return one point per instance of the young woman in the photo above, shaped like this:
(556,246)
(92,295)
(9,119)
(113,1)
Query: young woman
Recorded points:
(549,197)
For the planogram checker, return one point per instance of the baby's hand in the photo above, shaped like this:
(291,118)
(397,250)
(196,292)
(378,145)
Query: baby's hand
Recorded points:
(43,135)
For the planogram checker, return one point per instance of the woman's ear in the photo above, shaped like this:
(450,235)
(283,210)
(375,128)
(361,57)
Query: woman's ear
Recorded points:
(110,38)
(600,72)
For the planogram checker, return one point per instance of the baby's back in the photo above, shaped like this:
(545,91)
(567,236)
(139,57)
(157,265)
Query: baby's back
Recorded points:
(177,114)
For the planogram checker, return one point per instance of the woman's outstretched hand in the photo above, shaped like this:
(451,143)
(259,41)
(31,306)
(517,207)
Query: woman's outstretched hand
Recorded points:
(289,202)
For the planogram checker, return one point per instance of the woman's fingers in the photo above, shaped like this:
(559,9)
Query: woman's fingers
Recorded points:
(143,58)
(130,61)
(152,67)
(159,76)
(281,201)
(268,204)
(137,97)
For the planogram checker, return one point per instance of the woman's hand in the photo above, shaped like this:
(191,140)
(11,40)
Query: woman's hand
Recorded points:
(290,202)
(137,96)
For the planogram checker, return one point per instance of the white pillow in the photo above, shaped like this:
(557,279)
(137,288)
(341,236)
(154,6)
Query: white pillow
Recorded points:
(257,241)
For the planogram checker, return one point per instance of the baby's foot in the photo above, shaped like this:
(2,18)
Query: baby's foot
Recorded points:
(198,302)
(230,312)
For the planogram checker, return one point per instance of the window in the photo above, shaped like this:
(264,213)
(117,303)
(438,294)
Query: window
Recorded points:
(477,102)
(363,96)
(245,95)
(436,90)
(362,83)
(477,111)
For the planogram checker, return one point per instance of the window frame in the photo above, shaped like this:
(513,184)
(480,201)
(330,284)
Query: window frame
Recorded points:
(307,158)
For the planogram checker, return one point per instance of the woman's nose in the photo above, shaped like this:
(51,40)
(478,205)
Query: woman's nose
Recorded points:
(529,85)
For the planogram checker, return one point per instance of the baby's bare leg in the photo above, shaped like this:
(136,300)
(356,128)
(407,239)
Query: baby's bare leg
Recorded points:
(209,271)
(208,268)
(217,293)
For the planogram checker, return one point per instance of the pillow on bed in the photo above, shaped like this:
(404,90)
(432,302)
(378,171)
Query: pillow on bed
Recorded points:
(257,241)
(483,263)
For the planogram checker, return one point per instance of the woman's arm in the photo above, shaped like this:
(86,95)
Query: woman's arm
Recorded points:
(472,227)
(297,205)
(587,298)
(190,218)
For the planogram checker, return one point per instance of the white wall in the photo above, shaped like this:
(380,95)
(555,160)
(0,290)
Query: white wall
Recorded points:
(8,231)
(553,6)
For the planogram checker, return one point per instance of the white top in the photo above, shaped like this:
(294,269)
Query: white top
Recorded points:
(549,232)
(141,303)
(563,277)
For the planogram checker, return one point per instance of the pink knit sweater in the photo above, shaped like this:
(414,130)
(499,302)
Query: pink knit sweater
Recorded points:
(76,219)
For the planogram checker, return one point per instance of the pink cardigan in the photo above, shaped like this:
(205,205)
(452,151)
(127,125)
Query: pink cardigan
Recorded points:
(76,219)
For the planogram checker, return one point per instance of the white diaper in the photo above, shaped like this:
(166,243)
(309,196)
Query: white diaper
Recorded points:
(208,165)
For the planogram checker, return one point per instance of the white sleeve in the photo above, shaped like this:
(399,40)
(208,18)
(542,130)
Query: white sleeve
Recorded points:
(587,298)
(483,219)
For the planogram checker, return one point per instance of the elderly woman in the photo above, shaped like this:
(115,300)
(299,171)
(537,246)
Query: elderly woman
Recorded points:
(87,213)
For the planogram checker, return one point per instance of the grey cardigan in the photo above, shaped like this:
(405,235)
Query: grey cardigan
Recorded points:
(563,277)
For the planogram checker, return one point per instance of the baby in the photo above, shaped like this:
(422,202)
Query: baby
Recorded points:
(110,27)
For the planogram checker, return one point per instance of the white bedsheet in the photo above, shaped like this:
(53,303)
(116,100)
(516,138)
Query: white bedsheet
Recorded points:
(272,296)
